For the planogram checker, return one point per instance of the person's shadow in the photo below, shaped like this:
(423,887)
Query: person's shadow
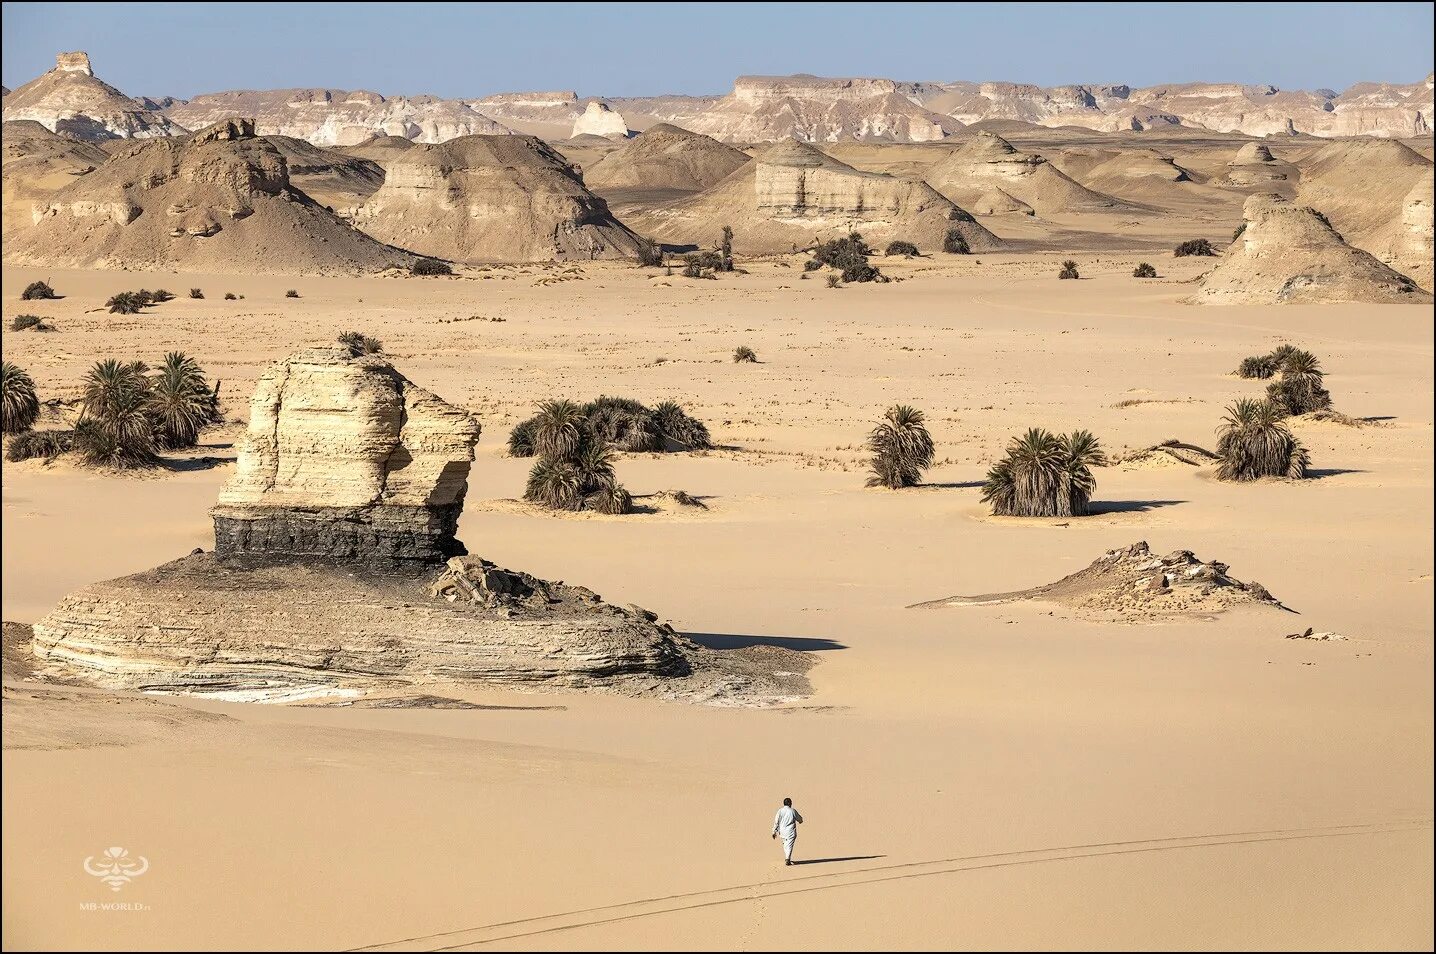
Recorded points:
(827,861)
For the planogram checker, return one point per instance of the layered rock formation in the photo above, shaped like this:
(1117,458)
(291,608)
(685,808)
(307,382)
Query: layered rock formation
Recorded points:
(1254,166)
(37,164)
(599,119)
(665,157)
(336,117)
(336,180)
(492,198)
(815,109)
(346,460)
(72,101)
(1366,109)
(547,114)
(988,162)
(1288,253)
(1362,187)
(334,574)
(1411,249)
(1135,584)
(219,201)
(793,194)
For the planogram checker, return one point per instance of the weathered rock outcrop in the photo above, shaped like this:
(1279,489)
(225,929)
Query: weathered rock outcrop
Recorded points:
(599,119)
(665,157)
(336,117)
(1288,253)
(218,201)
(793,194)
(550,114)
(817,109)
(492,198)
(1412,247)
(72,101)
(346,460)
(1362,187)
(1135,584)
(37,164)
(335,573)
(1254,166)
(987,162)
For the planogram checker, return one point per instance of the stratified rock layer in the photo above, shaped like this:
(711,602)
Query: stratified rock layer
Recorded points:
(492,198)
(1289,254)
(818,109)
(665,157)
(346,461)
(988,162)
(72,101)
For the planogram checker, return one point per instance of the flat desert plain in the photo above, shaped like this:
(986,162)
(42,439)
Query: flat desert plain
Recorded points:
(1009,776)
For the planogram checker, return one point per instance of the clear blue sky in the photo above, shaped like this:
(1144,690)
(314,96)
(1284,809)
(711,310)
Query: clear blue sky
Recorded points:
(619,49)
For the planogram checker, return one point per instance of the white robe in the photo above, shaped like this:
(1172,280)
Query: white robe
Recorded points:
(785,826)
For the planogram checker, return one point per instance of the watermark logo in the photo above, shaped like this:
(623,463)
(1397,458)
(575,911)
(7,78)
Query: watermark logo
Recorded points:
(116,867)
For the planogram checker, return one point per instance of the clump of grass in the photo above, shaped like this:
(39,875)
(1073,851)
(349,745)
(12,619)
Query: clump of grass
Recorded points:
(48,445)
(901,449)
(906,249)
(292,293)
(360,344)
(955,244)
(426,266)
(1254,443)
(196,293)
(19,407)
(22,322)
(230,296)
(1045,475)
(1144,270)
(1194,247)
(1069,270)
(744,354)
(38,291)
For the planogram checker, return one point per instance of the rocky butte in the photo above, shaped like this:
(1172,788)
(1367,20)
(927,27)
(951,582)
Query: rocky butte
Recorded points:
(337,573)
(70,99)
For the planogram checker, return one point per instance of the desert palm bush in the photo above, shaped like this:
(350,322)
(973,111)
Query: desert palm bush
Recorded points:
(162,295)
(292,293)
(22,322)
(622,422)
(18,404)
(955,244)
(650,255)
(901,248)
(743,354)
(230,296)
(559,430)
(835,281)
(1194,247)
(553,484)
(1144,270)
(196,293)
(31,444)
(725,250)
(1069,270)
(1254,443)
(430,266)
(901,447)
(1299,390)
(117,430)
(360,344)
(38,291)
(613,499)
(1257,366)
(126,303)
(1044,475)
(181,402)
(676,426)
(521,438)
(108,385)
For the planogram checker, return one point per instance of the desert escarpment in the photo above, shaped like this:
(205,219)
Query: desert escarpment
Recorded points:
(71,100)
(817,109)
(346,460)
(492,198)
(793,194)
(336,117)
(220,201)
(1288,253)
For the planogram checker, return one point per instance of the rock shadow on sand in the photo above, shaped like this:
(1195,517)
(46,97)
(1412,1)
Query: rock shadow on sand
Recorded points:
(802,644)
(829,861)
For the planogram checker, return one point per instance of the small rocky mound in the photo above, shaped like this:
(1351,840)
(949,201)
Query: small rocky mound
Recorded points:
(1171,453)
(492,199)
(665,157)
(1255,166)
(72,101)
(793,194)
(39,163)
(1290,254)
(218,201)
(1134,584)
(987,161)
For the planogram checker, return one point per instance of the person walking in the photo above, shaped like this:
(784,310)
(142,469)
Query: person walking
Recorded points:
(786,824)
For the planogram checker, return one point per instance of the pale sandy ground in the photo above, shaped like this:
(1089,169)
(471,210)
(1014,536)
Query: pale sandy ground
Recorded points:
(989,777)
